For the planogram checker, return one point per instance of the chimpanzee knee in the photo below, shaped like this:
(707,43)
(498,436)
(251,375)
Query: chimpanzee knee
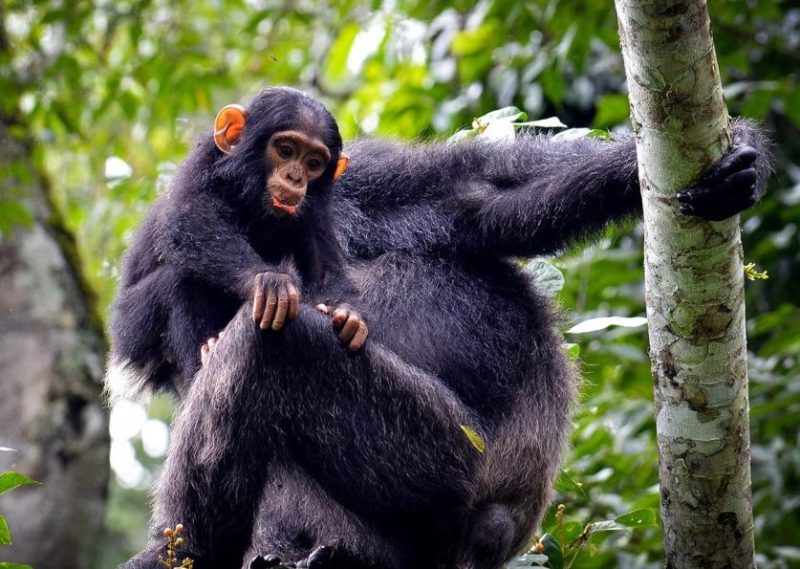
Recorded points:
(489,538)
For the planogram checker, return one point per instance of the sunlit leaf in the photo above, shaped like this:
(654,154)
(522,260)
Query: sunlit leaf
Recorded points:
(609,525)
(595,324)
(578,133)
(510,114)
(550,122)
(547,279)
(474,438)
(474,41)
(498,131)
(336,64)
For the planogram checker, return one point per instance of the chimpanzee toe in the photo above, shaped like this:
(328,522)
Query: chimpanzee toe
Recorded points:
(264,561)
(320,558)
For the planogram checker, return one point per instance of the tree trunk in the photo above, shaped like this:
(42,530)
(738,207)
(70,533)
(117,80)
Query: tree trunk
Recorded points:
(51,361)
(694,287)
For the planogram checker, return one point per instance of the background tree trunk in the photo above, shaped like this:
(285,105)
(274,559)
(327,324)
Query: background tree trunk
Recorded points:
(51,361)
(694,287)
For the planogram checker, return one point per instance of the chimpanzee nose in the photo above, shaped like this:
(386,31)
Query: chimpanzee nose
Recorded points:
(294,175)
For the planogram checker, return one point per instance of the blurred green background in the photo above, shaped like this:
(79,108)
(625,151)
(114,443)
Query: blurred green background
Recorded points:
(112,94)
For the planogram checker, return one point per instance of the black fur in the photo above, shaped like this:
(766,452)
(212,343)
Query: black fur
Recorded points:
(285,442)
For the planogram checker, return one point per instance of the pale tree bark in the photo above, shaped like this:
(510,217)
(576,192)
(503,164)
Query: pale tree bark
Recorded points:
(694,287)
(51,362)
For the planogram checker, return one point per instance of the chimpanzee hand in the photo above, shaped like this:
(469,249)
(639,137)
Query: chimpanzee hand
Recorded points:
(276,297)
(725,189)
(352,328)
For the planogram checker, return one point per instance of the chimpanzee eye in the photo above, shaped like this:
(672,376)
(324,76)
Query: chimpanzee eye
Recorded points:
(285,150)
(314,164)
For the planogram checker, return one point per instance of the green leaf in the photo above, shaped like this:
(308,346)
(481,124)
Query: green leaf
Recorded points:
(7,565)
(336,69)
(5,533)
(603,322)
(609,525)
(555,559)
(599,134)
(474,41)
(547,279)
(510,114)
(549,122)
(641,518)
(474,438)
(498,130)
(572,531)
(573,351)
(565,482)
(578,133)
(10,480)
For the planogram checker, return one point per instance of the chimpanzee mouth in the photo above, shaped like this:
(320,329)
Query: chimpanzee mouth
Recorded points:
(285,208)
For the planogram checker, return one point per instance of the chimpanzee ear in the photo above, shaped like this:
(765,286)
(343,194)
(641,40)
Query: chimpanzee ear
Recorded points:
(341,165)
(228,127)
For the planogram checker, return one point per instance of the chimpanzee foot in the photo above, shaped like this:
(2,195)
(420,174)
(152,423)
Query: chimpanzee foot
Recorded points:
(154,557)
(321,558)
(208,348)
(265,561)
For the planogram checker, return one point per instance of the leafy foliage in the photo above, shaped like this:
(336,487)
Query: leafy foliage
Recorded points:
(8,481)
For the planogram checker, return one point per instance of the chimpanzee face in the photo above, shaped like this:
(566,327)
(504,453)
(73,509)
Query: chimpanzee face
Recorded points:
(295,160)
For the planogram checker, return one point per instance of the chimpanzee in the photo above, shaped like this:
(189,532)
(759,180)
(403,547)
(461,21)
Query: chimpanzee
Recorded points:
(287,447)
(248,217)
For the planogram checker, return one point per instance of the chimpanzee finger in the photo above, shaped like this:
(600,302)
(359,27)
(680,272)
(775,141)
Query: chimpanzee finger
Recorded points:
(339,317)
(737,158)
(259,302)
(269,311)
(723,200)
(294,301)
(283,307)
(741,181)
(713,207)
(324,308)
(350,328)
(359,338)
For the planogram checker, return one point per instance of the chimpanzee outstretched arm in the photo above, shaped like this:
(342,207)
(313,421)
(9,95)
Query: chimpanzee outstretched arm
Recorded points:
(533,196)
